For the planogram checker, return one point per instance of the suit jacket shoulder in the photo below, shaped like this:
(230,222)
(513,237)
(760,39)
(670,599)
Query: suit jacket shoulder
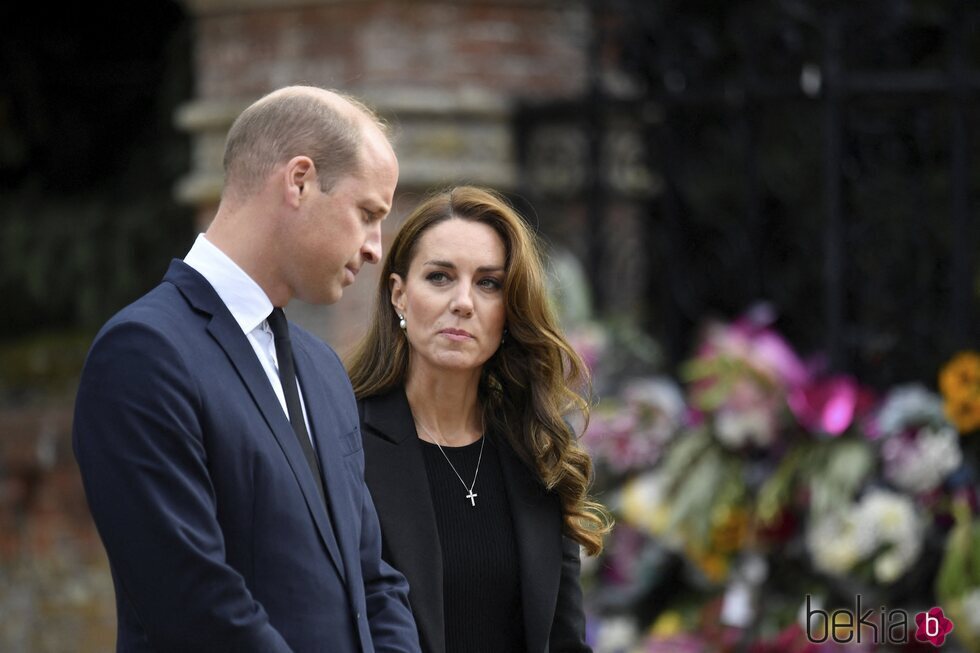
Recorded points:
(192,470)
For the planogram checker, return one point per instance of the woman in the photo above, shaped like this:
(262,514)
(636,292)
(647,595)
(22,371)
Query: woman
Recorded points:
(463,381)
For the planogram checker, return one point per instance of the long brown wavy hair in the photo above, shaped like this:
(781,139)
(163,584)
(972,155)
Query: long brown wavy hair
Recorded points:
(532,382)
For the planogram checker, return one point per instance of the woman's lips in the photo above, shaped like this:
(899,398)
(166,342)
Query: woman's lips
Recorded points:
(457,334)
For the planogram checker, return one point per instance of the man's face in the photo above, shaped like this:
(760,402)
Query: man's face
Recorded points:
(340,230)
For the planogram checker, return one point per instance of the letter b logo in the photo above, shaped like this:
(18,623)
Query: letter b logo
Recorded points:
(932,626)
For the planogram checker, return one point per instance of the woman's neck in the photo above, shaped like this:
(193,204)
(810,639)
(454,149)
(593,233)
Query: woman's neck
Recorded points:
(445,407)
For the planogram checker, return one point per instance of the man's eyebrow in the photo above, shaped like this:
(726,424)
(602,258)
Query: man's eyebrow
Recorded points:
(376,211)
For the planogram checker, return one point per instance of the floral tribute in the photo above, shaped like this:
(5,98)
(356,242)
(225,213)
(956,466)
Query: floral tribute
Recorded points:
(757,478)
(959,381)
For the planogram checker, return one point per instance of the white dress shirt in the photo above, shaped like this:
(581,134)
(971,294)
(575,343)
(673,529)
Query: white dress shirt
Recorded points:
(248,304)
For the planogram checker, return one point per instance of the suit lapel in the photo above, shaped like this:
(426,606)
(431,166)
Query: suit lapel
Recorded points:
(396,474)
(230,338)
(326,434)
(537,526)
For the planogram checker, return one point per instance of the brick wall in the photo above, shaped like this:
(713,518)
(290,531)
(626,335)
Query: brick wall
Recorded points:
(445,74)
(55,589)
(519,49)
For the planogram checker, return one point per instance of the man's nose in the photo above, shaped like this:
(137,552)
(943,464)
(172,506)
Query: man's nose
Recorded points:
(371,251)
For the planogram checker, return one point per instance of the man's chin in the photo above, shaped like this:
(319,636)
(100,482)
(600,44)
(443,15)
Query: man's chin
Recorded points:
(325,297)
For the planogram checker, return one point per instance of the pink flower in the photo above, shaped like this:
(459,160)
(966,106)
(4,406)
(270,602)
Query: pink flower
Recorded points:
(746,353)
(766,349)
(829,405)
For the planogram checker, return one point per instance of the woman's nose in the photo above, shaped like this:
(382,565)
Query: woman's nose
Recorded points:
(462,303)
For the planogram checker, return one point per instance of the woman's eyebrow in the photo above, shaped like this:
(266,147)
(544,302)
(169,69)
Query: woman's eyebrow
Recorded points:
(452,266)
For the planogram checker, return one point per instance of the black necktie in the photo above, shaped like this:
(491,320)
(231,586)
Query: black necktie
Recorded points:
(287,376)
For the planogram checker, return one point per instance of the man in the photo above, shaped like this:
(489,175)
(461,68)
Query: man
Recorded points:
(218,445)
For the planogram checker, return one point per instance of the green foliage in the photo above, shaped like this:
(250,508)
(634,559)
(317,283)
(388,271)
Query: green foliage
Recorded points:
(836,471)
(960,570)
(42,364)
(72,262)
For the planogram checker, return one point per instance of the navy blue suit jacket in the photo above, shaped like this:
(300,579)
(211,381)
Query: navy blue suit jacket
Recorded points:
(216,534)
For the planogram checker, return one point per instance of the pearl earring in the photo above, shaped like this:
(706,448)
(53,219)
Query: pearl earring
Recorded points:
(401,322)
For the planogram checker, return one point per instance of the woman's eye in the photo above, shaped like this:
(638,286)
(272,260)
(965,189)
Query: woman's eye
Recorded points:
(437,277)
(490,284)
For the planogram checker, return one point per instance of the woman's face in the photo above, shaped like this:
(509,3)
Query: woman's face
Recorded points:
(452,297)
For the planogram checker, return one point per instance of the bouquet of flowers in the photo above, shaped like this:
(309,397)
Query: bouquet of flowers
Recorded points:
(758,473)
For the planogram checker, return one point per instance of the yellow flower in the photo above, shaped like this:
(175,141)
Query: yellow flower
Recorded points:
(713,565)
(959,381)
(964,414)
(668,624)
(960,377)
(731,529)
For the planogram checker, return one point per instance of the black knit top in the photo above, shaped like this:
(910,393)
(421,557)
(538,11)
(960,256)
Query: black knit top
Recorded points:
(481,574)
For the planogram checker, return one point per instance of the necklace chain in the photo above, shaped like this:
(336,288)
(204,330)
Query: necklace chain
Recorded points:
(483,440)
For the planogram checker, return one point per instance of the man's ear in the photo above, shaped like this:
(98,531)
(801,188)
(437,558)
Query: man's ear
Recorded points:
(298,174)
(397,287)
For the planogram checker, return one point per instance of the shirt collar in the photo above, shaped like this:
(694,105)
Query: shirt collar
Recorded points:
(245,299)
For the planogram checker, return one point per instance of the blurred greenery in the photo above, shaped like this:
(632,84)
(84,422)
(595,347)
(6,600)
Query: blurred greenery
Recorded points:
(42,365)
(88,160)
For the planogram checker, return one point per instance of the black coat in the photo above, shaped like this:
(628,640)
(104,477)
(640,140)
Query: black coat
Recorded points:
(551,596)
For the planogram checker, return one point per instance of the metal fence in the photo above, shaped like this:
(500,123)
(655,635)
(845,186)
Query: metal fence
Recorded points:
(814,155)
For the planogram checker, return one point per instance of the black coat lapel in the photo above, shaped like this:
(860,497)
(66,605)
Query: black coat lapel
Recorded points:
(537,526)
(395,473)
(226,332)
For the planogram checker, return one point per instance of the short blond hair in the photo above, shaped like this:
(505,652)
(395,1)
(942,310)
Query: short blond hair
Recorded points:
(323,124)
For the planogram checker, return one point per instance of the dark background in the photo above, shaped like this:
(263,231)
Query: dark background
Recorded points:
(88,158)
(848,202)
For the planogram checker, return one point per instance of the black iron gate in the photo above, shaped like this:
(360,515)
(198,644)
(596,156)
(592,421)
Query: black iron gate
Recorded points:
(816,155)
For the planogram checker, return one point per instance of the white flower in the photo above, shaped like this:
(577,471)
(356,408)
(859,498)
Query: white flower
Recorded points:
(642,502)
(890,565)
(616,635)
(897,529)
(922,463)
(839,541)
(882,522)
(908,405)
(971,610)
(891,516)
(736,428)
(659,405)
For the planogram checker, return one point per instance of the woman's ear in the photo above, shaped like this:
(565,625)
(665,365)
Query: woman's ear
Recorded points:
(397,287)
